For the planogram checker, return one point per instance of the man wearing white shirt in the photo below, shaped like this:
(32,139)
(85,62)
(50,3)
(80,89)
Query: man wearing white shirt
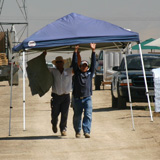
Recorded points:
(60,101)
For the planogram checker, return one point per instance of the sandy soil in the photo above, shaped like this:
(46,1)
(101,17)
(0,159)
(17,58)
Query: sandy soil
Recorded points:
(112,136)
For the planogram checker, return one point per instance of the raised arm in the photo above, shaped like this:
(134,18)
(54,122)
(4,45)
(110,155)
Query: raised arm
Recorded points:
(93,46)
(93,57)
(75,59)
(78,58)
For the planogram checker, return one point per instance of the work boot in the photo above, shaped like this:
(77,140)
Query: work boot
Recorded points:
(64,133)
(78,135)
(54,128)
(87,135)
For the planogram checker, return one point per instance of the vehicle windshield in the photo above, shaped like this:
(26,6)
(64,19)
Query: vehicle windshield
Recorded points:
(134,63)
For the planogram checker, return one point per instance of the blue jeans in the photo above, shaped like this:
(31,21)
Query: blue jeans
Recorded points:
(80,105)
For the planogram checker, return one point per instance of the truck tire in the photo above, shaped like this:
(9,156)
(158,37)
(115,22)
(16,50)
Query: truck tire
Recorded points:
(121,102)
(114,100)
(97,82)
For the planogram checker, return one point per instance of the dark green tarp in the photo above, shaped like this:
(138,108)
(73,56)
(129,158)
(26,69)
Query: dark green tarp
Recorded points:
(40,78)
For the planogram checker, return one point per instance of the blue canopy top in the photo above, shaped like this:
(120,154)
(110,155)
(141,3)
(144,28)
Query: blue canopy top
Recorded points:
(75,29)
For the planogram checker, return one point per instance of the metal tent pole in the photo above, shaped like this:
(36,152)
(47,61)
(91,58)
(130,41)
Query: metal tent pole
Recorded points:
(145,81)
(24,72)
(129,92)
(11,82)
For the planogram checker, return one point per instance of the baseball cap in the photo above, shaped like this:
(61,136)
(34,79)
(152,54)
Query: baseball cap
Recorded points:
(84,62)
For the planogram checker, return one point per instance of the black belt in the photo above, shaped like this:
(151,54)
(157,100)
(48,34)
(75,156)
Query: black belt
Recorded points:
(54,94)
(80,97)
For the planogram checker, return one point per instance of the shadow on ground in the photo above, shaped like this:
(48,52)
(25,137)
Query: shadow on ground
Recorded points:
(30,138)
(108,109)
(3,85)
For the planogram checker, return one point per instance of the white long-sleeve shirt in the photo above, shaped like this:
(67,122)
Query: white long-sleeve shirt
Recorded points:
(62,83)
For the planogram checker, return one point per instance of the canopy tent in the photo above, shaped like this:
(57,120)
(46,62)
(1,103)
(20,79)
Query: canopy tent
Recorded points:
(154,43)
(73,29)
(145,46)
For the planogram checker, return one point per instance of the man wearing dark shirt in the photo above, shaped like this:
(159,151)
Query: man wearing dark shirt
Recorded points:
(82,91)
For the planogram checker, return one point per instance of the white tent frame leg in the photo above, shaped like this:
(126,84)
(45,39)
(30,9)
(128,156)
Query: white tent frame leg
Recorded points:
(146,86)
(145,81)
(129,92)
(11,82)
(24,96)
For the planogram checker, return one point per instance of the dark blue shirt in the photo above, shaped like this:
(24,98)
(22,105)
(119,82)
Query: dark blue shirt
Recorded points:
(82,81)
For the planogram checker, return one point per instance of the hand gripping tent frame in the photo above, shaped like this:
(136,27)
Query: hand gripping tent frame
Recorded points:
(72,29)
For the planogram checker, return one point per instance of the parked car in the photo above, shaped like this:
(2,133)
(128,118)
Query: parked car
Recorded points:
(50,65)
(119,90)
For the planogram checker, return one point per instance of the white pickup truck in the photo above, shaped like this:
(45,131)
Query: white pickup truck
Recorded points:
(106,60)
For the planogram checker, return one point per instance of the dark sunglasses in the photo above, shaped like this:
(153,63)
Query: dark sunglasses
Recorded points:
(84,65)
(59,61)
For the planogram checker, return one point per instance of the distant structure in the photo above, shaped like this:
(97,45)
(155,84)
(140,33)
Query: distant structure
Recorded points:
(10,35)
(19,28)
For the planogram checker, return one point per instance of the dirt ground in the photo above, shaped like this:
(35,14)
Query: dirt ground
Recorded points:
(112,136)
